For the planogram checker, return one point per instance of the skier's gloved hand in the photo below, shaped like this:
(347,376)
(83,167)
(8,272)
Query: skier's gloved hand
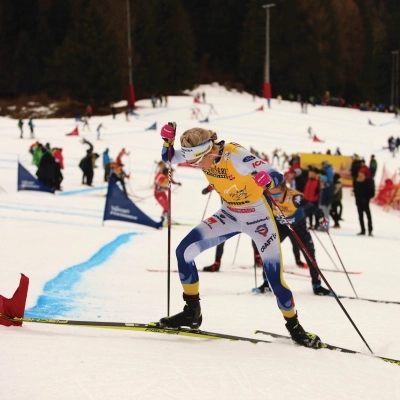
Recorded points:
(177,183)
(206,190)
(168,133)
(262,179)
(324,223)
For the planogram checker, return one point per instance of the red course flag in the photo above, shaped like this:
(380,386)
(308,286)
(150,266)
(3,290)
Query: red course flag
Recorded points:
(14,307)
(75,132)
(317,139)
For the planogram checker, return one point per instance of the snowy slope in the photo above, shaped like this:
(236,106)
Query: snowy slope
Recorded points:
(105,270)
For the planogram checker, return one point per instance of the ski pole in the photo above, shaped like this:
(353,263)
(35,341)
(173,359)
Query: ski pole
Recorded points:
(205,209)
(326,251)
(236,250)
(344,269)
(255,275)
(289,225)
(173,125)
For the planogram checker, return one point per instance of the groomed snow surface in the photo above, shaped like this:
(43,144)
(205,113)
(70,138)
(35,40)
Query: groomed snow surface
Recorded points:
(81,270)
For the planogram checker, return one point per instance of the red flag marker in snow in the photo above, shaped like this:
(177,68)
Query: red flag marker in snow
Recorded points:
(316,139)
(75,132)
(14,307)
(261,108)
(196,100)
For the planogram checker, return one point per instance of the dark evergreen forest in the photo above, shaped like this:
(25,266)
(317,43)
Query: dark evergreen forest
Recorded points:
(77,49)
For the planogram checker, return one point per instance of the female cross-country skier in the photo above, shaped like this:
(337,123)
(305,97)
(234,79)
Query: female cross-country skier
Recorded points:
(239,177)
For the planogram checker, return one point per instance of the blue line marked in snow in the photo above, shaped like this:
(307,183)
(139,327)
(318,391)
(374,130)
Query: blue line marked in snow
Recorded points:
(58,294)
(79,191)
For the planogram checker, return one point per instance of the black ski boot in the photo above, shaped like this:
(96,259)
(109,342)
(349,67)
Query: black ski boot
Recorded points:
(213,268)
(190,317)
(320,290)
(300,336)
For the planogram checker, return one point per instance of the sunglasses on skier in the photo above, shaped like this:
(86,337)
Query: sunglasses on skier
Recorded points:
(198,162)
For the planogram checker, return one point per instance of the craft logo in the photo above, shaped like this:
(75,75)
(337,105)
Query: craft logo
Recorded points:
(297,199)
(262,230)
(268,242)
(248,158)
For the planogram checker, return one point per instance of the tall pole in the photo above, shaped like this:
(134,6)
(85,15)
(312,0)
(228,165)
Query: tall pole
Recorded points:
(130,88)
(128,15)
(392,87)
(267,84)
(396,79)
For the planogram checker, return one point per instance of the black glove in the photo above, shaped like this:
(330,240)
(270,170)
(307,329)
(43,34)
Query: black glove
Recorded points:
(205,190)
(178,183)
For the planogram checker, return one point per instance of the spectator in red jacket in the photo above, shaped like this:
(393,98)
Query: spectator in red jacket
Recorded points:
(57,154)
(311,193)
(364,169)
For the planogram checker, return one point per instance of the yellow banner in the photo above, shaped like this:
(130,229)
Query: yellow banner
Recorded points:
(340,164)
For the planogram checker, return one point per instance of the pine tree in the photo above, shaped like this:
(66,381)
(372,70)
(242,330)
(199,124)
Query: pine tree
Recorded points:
(252,46)
(163,47)
(86,60)
(26,71)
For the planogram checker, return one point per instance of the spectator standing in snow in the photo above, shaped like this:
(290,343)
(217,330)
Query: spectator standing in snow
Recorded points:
(31,127)
(373,166)
(364,168)
(325,197)
(106,164)
(328,170)
(275,154)
(21,128)
(59,165)
(336,206)
(87,164)
(355,166)
(311,193)
(364,191)
(85,123)
(113,111)
(46,172)
(88,111)
(98,131)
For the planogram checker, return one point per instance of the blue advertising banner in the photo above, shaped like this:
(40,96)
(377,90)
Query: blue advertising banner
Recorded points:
(26,181)
(119,207)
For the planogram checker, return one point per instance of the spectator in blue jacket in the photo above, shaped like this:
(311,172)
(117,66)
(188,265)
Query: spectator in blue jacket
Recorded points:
(327,168)
(106,164)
